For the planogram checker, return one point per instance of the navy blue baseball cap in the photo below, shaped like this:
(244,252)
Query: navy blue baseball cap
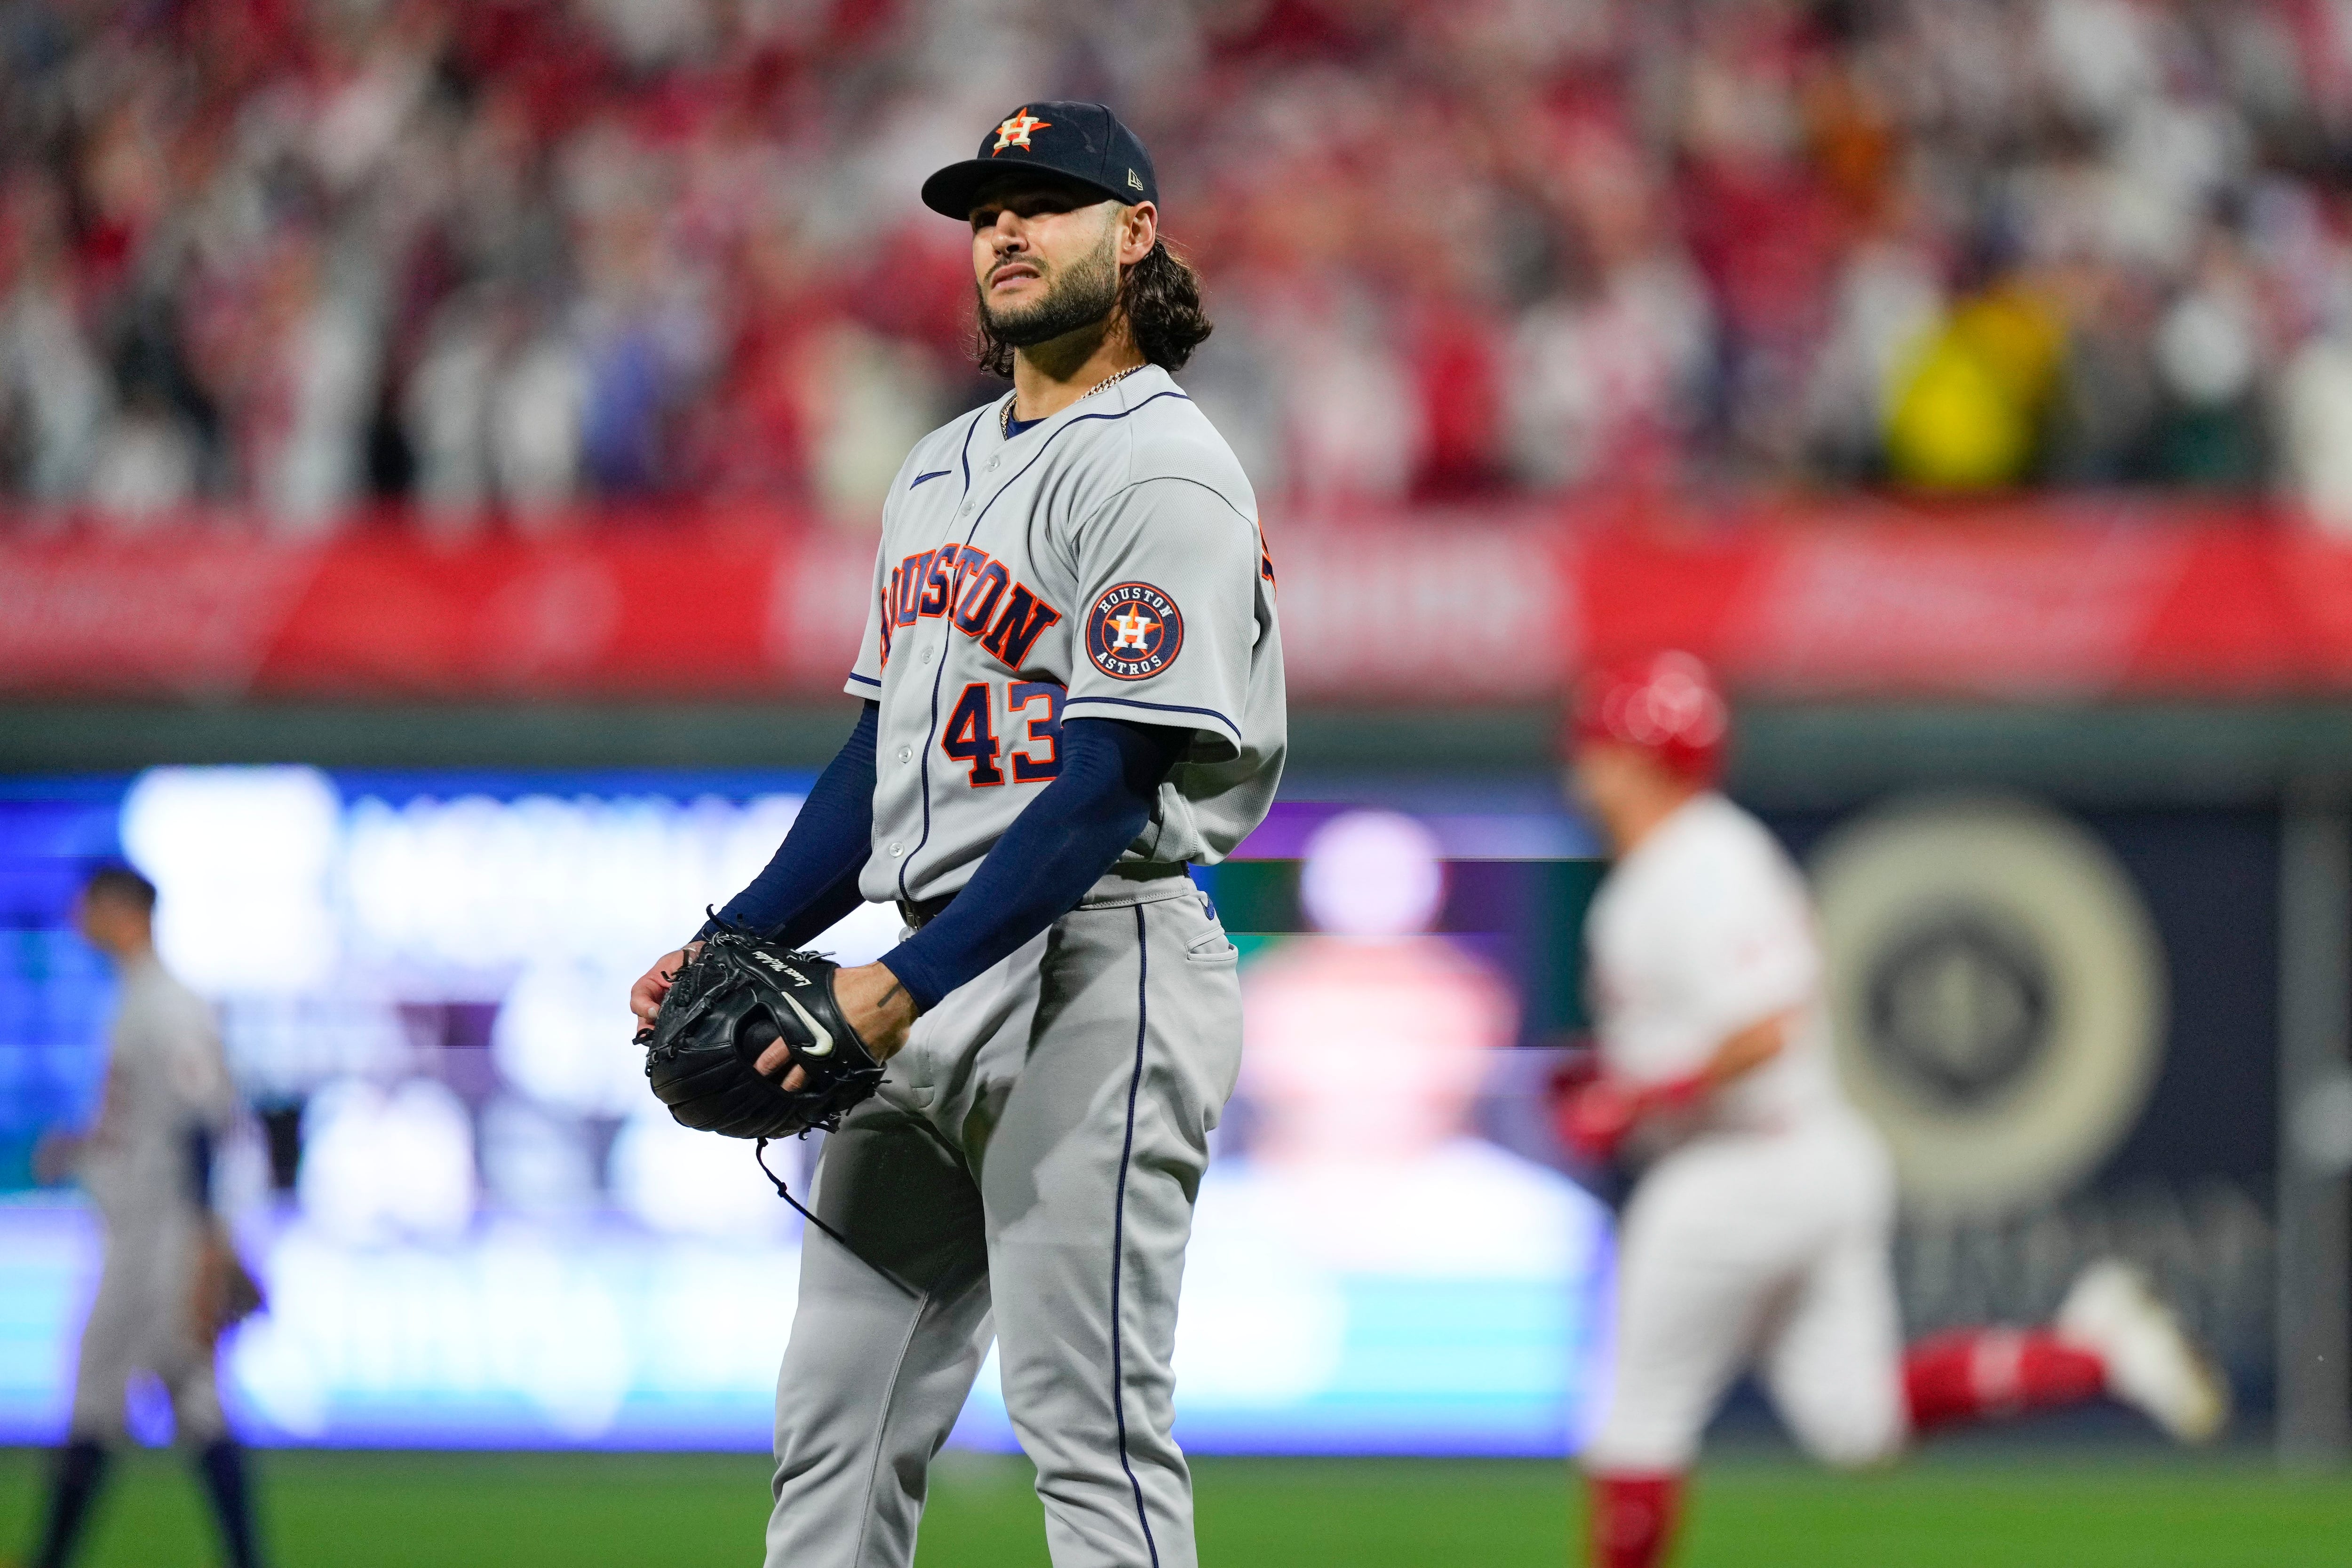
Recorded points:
(1080,141)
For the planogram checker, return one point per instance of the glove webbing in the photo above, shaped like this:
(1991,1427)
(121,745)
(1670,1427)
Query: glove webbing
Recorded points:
(760,1153)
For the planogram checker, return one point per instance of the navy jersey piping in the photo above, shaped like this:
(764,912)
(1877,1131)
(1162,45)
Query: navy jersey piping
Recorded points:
(924,776)
(939,673)
(864,680)
(1119,1230)
(1111,500)
(1068,703)
(934,474)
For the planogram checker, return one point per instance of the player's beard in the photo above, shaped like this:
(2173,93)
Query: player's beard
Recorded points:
(1082,294)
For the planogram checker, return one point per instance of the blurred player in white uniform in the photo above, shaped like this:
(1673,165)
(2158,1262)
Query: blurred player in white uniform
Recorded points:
(1760,1215)
(170,1281)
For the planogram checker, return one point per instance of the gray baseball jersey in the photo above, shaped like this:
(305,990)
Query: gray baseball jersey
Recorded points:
(165,1079)
(1028,1171)
(1103,563)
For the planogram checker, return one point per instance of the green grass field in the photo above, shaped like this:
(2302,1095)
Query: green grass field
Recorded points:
(522,1511)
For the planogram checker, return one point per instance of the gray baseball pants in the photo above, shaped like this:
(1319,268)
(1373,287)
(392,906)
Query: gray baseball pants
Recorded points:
(1028,1170)
(140,1321)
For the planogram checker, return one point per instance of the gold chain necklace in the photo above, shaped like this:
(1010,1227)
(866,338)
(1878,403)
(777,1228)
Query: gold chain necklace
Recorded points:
(1005,419)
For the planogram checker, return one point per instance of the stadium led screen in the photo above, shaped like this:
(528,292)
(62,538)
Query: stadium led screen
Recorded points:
(477,1229)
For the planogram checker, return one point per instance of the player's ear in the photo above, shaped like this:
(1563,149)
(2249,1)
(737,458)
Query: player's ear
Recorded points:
(1138,231)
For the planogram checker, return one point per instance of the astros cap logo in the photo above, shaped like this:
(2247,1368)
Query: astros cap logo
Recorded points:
(1014,132)
(1133,631)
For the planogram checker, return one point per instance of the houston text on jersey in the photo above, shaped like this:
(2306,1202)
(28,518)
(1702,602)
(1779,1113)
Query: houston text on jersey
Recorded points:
(965,579)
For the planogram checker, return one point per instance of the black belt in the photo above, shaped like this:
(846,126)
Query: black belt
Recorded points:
(918,912)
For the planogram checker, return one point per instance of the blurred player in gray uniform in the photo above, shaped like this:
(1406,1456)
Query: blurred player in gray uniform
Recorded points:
(169,1279)
(1073,686)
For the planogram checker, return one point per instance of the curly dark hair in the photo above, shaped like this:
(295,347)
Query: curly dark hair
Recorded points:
(1160,298)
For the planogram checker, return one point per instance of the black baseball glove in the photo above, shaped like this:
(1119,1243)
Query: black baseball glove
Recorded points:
(729,1003)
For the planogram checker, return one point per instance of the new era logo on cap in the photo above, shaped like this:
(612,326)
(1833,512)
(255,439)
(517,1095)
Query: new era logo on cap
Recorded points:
(1082,142)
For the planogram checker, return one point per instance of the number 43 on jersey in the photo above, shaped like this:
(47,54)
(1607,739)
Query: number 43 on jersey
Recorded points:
(1032,715)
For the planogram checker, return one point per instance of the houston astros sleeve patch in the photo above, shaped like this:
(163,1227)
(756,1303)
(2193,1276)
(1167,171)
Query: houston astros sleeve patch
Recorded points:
(1134,632)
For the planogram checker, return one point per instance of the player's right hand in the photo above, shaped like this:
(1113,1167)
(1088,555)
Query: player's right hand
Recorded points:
(646,996)
(54,1157)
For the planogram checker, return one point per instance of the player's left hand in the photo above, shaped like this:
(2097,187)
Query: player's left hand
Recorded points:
(875,1004)
(223,1293)
(1595,1117)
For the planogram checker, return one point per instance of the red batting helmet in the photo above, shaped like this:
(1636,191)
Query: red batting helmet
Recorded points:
(1667,704)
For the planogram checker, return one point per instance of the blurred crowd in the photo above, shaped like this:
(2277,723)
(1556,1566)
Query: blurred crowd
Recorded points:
(490,259)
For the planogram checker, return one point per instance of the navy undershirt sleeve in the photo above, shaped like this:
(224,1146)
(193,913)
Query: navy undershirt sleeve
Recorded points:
(198,1149)
(811,881)
(1055,850)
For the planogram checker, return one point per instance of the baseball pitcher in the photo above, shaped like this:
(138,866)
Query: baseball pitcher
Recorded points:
(1073,687)
(1761,1217)
(170,1283)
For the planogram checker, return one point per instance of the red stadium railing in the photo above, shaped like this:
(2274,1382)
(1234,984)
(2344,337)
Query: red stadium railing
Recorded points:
(2070,600)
